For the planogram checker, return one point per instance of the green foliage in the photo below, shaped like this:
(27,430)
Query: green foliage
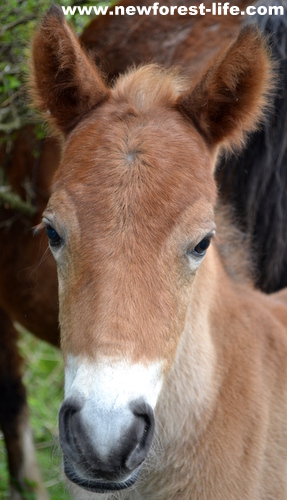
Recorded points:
(18,20)
(28,490)
(44,378)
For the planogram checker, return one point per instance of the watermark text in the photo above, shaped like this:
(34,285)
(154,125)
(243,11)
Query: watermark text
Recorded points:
(216,9)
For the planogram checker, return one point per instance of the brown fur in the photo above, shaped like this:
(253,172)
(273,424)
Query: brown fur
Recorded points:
(134,192)
(71,70)
(234,246)
(28,293)
(116,43)
(28,287)
(220,96)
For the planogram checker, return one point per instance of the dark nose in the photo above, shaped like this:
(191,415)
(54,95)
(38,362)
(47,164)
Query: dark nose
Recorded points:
(122,456)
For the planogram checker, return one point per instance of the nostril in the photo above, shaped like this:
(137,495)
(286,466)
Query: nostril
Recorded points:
(147,426)
(145,435)
(144,428)
(67,417)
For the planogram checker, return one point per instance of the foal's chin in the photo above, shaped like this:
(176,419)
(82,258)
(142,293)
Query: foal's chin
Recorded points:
(96,486)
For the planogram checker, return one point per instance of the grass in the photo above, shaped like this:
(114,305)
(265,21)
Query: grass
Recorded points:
(43,378)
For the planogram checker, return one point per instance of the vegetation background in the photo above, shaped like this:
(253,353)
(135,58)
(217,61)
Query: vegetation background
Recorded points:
(43,377)
(42,367)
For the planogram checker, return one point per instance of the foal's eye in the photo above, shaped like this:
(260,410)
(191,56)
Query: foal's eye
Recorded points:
(54,238)
(201,247)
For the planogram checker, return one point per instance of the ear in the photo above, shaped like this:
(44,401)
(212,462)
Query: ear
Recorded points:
(229,101)
(64,82)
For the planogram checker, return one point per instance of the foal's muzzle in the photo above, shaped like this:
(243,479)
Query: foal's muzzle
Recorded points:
(103,451)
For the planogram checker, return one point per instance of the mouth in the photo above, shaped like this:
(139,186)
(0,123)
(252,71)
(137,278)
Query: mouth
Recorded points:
(98,486)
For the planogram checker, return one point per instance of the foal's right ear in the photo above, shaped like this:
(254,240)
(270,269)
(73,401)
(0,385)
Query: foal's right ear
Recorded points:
(229,100)
(64,82)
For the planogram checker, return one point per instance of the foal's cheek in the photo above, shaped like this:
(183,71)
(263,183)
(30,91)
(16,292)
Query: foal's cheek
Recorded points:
(68,312)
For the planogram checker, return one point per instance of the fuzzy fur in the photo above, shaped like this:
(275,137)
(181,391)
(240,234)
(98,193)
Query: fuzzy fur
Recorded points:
(132,198)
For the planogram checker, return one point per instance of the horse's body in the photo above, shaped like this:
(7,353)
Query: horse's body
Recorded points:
(156,338)
(28,290)
(28,295)
(190,42)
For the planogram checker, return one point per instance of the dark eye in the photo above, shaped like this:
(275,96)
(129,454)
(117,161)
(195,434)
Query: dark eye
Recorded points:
(54,238)
(200,249)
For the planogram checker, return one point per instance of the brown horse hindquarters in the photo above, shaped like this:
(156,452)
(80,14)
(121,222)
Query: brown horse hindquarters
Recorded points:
(188,42)
(28,295)
(28,285)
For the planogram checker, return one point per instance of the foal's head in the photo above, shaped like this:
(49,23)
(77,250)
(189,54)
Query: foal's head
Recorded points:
(129,221)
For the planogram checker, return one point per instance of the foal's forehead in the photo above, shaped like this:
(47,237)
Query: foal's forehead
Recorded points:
(127,163)
(116,143)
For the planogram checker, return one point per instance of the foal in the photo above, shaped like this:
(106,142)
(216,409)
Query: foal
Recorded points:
(159,343)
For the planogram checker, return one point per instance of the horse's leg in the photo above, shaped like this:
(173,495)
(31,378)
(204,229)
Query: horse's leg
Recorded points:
(23,469)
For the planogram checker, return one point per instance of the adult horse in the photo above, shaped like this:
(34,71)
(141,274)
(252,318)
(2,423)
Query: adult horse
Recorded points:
(157,337)
(28,295)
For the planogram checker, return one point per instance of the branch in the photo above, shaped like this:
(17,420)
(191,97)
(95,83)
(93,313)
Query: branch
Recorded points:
(16,23)
(15,202)
(11,98)
(14,125)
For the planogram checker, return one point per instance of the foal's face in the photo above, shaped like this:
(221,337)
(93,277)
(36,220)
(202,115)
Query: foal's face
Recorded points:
(132,209)
(131,204)
(129,221)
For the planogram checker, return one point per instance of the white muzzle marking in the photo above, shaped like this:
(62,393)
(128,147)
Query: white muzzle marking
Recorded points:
(106,392)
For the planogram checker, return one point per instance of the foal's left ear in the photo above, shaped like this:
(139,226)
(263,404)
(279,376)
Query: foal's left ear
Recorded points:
(64,81)
(229,101)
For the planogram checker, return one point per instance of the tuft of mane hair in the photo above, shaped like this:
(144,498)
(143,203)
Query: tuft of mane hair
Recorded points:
(149,85)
